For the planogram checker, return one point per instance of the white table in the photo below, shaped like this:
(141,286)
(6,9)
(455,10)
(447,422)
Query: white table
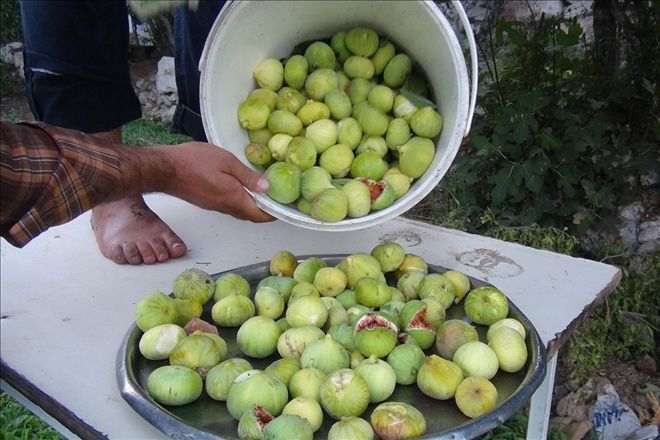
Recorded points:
(65,308)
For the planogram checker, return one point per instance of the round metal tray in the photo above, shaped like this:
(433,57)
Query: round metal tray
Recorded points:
(206,418)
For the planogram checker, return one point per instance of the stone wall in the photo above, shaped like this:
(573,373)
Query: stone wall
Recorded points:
(155,86)
(12,54)
(480,12)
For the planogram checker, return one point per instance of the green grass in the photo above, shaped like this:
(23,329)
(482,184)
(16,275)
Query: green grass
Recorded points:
(16,422)
(513,429)
(12,116)
(626,325)
(143,132)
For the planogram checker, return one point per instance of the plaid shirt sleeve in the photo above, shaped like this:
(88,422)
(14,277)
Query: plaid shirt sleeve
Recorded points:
(49,176)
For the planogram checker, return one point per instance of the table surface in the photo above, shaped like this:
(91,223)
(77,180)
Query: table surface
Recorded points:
(65,309)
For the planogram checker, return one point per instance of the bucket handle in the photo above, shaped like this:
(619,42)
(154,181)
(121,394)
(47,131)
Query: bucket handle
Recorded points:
(474,63)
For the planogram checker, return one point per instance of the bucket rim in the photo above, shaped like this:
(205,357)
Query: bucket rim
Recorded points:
(415,193)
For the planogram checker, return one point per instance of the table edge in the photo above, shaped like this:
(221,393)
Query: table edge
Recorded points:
(49,405)
(561,338)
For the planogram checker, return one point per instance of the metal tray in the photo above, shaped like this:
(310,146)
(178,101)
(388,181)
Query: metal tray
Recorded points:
(209,419)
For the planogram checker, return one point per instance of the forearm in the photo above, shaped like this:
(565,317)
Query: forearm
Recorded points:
(144,170)
(50,176)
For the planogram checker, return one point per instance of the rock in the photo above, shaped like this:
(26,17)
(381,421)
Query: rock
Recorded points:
(631,212)
(576,409)
(573,384)
(645,433)
(481,12)
(649,388)
(629,217)
(12,54)
(574,430)
(155,87)
(165,79)
(649,247)
(579,430)
(521,10)
(576,404)
(560,421)
(604,386)
(477,12)
(649,230)
(648,236)
(652,178)
(646,364)
(612,419)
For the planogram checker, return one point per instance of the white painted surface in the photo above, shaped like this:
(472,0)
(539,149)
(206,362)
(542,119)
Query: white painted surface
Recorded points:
(67,308)
(541,403)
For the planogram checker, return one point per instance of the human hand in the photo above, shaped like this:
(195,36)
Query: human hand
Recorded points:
(213,178)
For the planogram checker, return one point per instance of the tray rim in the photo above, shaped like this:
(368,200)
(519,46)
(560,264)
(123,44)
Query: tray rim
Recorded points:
(175,427)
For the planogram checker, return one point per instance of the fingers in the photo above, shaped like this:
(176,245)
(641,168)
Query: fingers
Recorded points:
(224,183)
(248,210)
(249,178)
(254,181)
(259,216)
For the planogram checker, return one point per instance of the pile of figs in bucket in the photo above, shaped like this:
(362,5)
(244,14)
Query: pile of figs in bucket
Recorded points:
(350,126)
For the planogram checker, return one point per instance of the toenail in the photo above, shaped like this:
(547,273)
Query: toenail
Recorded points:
(176,245)
(163,256)
(149,260)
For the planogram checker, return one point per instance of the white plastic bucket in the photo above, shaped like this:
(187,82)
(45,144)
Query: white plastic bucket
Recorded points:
(246,32)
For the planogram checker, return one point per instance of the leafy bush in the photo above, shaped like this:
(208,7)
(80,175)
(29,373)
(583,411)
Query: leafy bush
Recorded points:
(556,142)
(10,21)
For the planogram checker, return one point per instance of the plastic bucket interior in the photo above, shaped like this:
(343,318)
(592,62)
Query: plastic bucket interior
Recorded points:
(246,32)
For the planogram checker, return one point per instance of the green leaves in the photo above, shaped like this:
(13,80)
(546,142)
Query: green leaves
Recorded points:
(555,144)
(418,100)
(571,36)
(513,30)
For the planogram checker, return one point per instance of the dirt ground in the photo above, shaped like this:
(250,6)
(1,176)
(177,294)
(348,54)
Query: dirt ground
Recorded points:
(637,385)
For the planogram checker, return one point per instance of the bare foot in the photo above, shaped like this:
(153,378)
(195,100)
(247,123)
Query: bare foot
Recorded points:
(127,231)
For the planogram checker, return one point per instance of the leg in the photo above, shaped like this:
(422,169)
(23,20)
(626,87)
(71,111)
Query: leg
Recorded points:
(540,403)
(89,89)
(190,31)
(127,231)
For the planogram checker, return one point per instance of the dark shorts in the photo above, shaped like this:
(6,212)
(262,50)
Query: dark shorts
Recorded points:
(76,63)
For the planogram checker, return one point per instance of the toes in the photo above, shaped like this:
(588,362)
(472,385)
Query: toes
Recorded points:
(146,252)
(132,253)
(160,250)
(116,254)
(176,247)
